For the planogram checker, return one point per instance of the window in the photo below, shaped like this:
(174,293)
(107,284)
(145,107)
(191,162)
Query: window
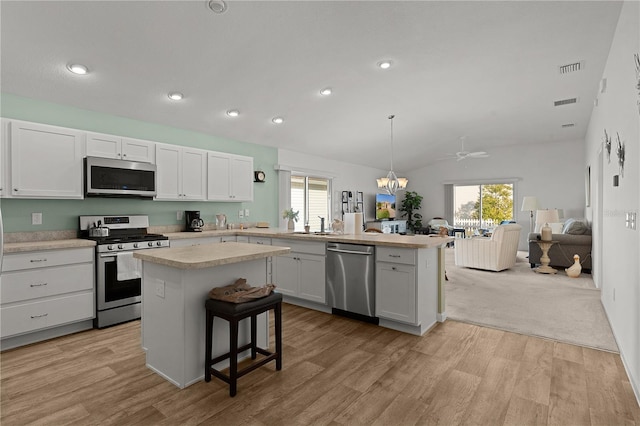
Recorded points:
(311,196)
(482,206)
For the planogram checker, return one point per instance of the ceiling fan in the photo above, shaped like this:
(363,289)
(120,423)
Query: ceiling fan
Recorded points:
(463,155)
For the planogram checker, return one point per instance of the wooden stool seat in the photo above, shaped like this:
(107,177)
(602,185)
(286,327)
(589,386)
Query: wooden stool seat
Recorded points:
(234,313)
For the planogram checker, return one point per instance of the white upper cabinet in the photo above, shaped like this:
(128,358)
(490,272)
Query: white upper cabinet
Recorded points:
(181,173)
(110,146)
(229,177)
(46,161)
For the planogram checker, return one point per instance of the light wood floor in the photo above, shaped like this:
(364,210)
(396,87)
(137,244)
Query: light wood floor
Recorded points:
(335,371)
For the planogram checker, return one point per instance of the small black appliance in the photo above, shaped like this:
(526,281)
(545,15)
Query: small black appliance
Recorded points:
(194,222)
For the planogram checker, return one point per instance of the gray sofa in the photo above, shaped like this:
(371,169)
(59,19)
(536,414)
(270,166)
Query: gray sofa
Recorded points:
(575,239)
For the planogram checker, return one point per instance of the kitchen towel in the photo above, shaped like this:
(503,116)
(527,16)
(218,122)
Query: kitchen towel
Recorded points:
(353,223)
(128,267)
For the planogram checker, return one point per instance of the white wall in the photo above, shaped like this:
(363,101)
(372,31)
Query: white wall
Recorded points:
(346,177)
(617,112)
(552,172)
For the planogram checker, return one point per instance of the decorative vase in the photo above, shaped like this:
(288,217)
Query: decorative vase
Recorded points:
(546,232)
(291,225)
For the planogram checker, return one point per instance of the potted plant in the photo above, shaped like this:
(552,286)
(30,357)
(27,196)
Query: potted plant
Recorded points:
(292,216)
(410,206)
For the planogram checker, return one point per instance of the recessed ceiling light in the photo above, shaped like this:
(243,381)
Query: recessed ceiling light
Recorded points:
(384,64)
(176,96)
(278,120)
(326,91)
(217,6)
(233,113)
(77,69)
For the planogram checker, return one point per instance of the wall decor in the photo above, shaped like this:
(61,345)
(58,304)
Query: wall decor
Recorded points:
(607,145)
(620,155)
(636,58)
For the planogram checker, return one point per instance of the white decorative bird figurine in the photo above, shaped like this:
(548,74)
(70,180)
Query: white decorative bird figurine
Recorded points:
(574,270)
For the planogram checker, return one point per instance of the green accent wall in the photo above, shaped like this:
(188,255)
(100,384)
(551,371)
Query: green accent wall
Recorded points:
(63,214)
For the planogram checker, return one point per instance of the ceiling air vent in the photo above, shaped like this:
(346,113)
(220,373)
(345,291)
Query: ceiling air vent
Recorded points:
(565,101)
(564,126)
(566,69)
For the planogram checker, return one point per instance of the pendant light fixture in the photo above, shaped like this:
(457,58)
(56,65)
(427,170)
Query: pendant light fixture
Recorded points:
(392,183)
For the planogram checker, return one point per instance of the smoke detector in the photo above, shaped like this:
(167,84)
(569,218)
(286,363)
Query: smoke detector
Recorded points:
(217,6)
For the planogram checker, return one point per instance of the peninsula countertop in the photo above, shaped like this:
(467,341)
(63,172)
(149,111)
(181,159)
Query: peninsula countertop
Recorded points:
(209,255)
(369,238)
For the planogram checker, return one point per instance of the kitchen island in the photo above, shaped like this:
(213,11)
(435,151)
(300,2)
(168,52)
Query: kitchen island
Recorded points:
(175,286)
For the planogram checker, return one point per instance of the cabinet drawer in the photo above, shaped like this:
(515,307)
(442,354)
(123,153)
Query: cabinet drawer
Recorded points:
(396,255)
(260,240)
(194,241)
(302,246)
(24,285)
(44,314)
(46,258)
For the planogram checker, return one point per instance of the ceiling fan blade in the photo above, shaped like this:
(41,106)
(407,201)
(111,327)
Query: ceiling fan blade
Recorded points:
(478,154)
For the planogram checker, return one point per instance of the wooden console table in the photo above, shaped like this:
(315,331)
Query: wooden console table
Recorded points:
(544,268)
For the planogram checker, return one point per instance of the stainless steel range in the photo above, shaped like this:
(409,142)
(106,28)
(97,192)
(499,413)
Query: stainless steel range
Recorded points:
(118,281)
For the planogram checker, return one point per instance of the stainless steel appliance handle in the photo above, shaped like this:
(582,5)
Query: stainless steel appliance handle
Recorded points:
(363,253)
(109,255)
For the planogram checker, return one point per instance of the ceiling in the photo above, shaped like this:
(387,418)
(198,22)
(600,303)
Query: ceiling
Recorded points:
(488,71)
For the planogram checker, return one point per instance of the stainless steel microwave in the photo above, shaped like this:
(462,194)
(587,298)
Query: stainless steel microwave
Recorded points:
(105,177)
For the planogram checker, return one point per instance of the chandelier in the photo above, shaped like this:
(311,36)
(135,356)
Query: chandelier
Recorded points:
(392,183)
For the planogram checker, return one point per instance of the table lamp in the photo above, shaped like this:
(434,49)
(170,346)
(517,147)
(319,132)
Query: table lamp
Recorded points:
(530,204)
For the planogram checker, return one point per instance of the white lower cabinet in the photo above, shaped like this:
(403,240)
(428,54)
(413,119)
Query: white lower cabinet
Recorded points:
(301,273)
(396,292)
(45,289)
(396,295)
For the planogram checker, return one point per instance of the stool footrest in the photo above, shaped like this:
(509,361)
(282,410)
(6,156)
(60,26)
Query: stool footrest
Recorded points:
(270,356)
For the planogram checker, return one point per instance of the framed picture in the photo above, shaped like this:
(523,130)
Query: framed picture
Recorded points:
(587,186)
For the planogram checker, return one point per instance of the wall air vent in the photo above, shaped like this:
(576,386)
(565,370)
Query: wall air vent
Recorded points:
(564,126)
(565,101)
(576,66)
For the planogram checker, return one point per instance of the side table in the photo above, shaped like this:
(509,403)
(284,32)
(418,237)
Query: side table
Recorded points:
(544,268)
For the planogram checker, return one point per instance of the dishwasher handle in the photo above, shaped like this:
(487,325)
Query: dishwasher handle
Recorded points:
(363,253)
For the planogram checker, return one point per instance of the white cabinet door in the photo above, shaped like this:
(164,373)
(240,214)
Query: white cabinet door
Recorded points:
(218,169)
(396,292)
(46,161)
(193,179)
(101,145)
(138,150)
(229,177)
(169,172)
(286,274)
(241,178)
(312,277)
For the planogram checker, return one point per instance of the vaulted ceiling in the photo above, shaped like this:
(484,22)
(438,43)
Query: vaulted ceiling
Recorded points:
(489,71)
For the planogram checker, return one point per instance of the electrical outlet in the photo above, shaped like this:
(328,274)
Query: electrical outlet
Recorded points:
(246,212)
(241,214)
(179,215)
(160,288)
(36,218)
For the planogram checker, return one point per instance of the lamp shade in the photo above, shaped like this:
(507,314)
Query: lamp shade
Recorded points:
(546,216)
(530,204)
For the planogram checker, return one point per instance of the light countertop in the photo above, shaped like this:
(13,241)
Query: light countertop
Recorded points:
(209,255)
(47,245)
(369,238)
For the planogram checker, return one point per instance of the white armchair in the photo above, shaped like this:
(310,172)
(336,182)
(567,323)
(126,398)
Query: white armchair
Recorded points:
(496,253)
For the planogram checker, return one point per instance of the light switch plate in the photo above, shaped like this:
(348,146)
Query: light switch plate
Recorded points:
(36,218)
(180,215)
(246,212)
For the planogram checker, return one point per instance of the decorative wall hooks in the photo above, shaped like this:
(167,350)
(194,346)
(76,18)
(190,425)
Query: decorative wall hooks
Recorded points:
(620,153)
(607,145)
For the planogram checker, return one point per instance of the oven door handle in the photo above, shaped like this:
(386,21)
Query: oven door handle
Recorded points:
(108,255)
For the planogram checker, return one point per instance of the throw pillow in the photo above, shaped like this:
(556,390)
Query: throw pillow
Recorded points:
(575,227)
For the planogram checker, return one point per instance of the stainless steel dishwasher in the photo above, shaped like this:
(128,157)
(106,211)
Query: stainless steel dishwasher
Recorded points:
(351,281)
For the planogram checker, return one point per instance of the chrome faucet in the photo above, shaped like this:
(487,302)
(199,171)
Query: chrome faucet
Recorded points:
(321,224)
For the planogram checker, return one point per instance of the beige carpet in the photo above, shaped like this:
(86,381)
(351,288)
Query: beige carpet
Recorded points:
(519,300)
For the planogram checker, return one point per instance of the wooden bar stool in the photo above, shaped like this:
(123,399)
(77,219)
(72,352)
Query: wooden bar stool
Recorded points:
(233,313)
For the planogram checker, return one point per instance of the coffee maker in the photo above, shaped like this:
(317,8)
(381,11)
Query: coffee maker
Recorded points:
(194,223)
